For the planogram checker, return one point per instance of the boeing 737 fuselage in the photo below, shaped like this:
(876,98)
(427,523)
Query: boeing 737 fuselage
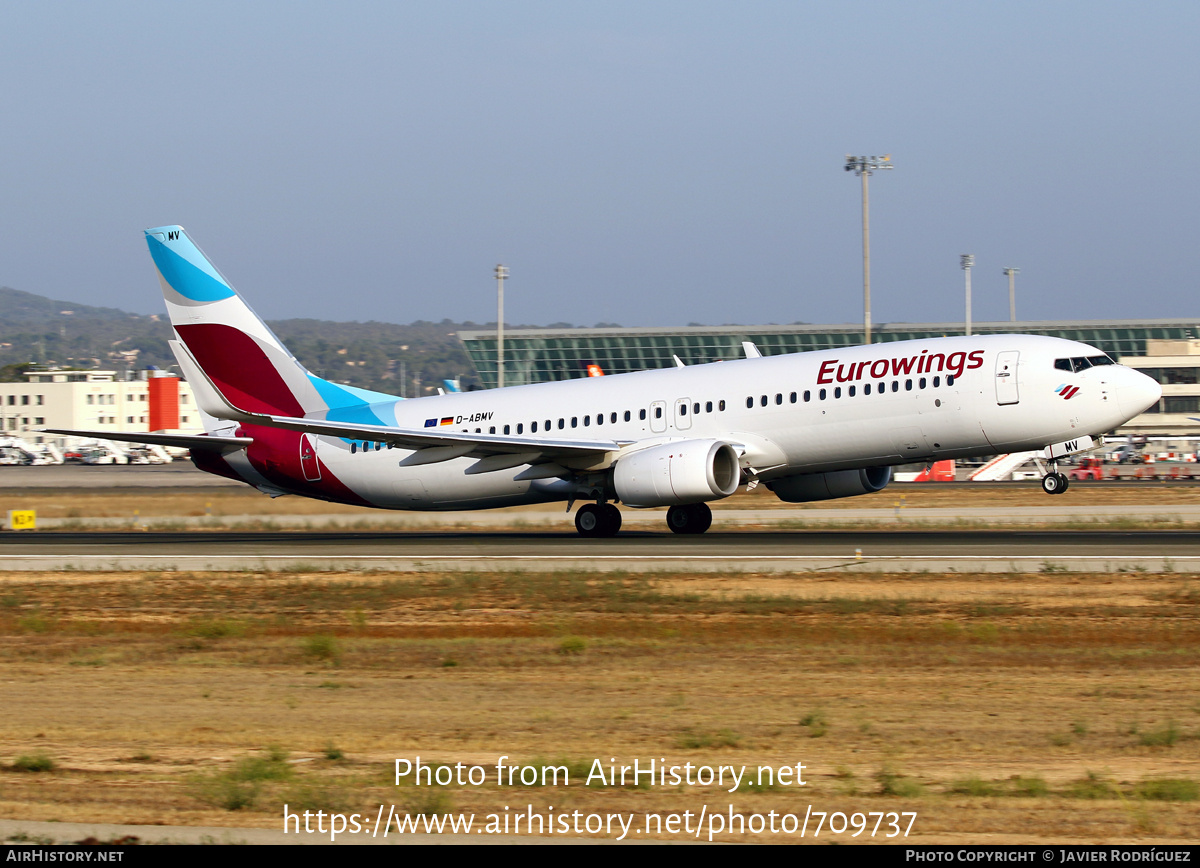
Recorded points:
(809,426)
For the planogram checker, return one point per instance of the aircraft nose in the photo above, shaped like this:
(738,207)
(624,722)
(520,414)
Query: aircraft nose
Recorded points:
(1137,393)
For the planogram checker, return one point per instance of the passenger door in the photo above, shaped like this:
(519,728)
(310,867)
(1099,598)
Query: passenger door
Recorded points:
(1006,377)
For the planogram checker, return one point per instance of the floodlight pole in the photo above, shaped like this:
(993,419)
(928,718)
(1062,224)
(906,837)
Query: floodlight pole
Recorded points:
(1012,292)
(863,166)
(501,276)
(967,261)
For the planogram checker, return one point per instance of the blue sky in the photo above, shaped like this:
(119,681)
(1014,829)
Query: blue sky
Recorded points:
(649,163)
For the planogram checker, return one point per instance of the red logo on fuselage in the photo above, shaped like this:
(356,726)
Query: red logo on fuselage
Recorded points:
(924,362)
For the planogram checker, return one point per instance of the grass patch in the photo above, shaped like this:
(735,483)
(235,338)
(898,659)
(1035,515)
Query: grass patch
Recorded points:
(975,786)
(815,723)
(689,740)
(1168,790)
(892,783)
(1163,737)
(216,628)
(428,802)
(273,766)
(34,622)
(1029,787)
(322,647)
(34,762)
(222,791)
(572,646)
(1091,787)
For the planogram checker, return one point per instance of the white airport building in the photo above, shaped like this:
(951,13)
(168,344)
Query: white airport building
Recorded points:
(95,401)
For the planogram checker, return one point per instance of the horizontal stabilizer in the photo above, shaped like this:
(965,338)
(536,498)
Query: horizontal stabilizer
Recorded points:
(202,442)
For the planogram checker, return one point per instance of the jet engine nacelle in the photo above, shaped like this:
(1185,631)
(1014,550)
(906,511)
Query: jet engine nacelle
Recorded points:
(826,486)
(688,471)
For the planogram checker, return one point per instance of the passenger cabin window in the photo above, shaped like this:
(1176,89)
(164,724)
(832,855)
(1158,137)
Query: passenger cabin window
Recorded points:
(626,415)
(821,394)
(792,397)
(721,406)
(613,417)
(658,412)
(779,397)
(837,391)
(533,427)
(587,420)
(851,393)
(642,415)
(561,423)
(696,408)
(520,427)
(683,409)
(708,406)
(749,403)
(763,400)
(574,421)
(505,429)
(867,389)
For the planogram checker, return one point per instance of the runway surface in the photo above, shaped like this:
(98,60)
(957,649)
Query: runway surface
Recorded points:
(995,550)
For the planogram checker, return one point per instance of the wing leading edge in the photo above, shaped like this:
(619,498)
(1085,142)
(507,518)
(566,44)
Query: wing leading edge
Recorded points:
(496,451)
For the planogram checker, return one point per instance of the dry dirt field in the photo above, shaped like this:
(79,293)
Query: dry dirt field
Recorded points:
(1000,708)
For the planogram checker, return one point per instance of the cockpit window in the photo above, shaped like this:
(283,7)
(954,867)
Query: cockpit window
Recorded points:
(1082,363)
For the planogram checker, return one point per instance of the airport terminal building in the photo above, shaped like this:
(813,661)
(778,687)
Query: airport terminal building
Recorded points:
(1167,349)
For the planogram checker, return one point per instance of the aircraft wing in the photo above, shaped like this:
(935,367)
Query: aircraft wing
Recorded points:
(448,444)
(431,444)
(202,442)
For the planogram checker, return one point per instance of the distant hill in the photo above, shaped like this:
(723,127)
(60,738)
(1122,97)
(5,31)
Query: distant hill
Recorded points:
(370,355)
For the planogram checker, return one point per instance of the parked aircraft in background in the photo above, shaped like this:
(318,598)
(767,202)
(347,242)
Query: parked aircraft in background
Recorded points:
(809,426)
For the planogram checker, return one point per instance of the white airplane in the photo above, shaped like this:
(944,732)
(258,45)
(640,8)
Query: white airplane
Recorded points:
(810,426)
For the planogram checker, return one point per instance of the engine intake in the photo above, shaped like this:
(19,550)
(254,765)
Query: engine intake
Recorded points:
(690,471)
(827,486)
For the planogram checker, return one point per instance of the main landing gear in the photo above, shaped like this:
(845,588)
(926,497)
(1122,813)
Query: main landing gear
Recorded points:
(1055,482)
(598,519)
(693,518)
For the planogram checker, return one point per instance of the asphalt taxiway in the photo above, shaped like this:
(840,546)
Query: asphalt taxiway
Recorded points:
(1002,550)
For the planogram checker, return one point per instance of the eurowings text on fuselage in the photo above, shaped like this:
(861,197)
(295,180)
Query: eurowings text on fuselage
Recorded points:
(809,426)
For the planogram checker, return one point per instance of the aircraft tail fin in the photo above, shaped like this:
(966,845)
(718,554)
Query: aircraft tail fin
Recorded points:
(237,352)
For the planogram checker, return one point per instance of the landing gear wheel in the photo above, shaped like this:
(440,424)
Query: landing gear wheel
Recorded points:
(693,518)
(1066,483)
(1054,483)
(589,520)
(598,519)
(612,519)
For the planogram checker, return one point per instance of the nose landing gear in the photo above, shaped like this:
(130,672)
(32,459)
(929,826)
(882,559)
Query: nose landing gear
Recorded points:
(1055,482)
(598,519)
